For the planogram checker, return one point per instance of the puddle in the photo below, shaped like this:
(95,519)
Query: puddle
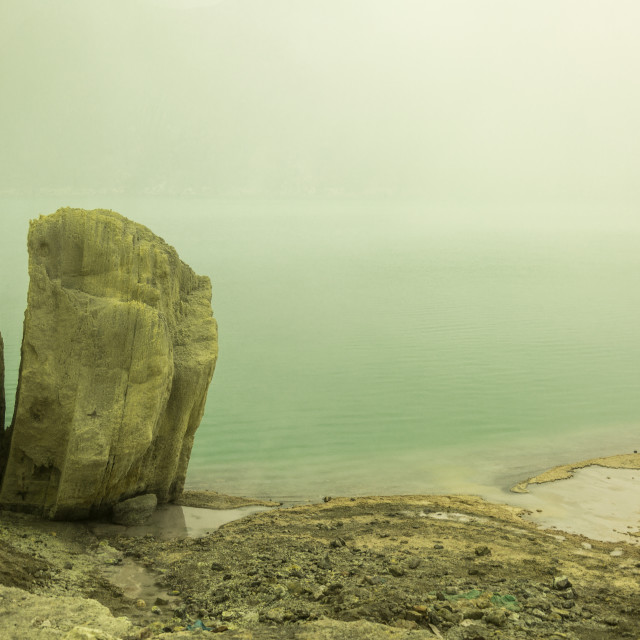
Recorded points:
(136,581)
(452,516)
(173,521)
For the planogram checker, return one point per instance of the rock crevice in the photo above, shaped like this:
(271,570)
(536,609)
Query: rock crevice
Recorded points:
(118,352)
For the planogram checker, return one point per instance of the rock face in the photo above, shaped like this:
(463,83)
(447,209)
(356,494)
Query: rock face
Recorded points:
(3,406)
(118,351)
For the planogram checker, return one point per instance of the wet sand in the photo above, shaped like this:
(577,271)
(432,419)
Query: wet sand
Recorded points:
(597,498)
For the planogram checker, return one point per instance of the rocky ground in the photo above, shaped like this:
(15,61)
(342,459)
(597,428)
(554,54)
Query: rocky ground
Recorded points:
(401,567)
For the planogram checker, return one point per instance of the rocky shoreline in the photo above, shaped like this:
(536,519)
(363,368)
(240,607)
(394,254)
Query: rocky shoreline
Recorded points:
(382,567)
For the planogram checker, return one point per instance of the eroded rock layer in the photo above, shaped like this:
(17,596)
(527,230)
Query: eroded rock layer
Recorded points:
(2,402)
(118,352)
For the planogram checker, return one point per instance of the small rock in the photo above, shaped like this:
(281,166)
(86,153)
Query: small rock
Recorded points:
(155,609)
(483,551)
(616,553)
(319,593)
(438,546)
(413,615)
(325,563)
(68,565)
(410,625)
(561,582)
(279,591)
(277,614)
(396,571)
(337,543)
(612,621)
(451,591)
(497,617)
(141,604)
(473,614)
(413,563)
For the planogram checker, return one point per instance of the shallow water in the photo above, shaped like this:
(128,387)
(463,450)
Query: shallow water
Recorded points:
(173,521)
(385,347)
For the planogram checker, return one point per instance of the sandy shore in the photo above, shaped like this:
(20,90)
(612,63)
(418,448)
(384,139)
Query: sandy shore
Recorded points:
(401,567)
(598,498)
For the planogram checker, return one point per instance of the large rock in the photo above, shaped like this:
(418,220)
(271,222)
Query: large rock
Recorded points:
(118,352)
(3,406)
(134,511)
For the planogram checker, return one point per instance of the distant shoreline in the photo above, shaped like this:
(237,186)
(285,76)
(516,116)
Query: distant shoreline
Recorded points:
(564,471)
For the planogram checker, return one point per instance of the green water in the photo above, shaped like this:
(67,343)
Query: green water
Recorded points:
(390,347)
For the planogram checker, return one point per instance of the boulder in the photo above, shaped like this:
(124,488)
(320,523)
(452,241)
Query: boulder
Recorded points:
(118,351)
(134,510)
(3,406)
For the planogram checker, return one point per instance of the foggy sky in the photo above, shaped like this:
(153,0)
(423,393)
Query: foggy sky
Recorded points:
(450,99)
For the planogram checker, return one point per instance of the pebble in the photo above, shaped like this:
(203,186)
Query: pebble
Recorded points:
(324,563)
(483,551)
(497,618)
(141,604)
(561,582)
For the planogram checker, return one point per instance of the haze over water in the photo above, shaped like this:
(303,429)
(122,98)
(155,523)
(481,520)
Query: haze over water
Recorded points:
(391,347)
(421,221)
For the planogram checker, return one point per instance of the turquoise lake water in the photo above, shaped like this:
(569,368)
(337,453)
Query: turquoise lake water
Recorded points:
(393,347)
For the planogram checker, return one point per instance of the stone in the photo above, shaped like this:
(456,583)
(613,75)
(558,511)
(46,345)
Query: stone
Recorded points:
(497,617)
(118,350)
(561,582)
(134,511)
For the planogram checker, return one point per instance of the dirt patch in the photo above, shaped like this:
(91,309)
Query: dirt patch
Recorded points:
(18,569)
(400,567)
(390,562)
